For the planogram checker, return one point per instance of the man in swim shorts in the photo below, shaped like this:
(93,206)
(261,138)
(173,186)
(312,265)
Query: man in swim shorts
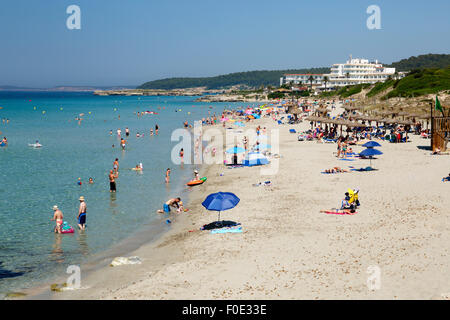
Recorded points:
(82,214)
(112,181)
(175,202)
(58,217)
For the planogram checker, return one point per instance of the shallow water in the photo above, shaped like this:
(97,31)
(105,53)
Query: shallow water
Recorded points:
(32,180)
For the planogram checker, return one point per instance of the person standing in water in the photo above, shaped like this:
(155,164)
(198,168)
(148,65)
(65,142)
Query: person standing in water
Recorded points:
(58,217)
(156,129)
(112,181)
(168,175)
(122,143)
(116,165)
(182,155)
(127,131)
(81,218)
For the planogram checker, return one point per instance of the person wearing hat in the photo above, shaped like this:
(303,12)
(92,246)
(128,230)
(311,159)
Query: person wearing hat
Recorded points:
(82,214)
(196,175)
(58,217)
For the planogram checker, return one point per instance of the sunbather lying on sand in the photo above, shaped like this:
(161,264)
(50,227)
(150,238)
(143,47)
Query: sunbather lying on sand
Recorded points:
(335,170)
(446,178)
(339,211)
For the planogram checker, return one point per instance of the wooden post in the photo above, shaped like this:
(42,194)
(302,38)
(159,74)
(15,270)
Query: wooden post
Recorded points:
(432,133)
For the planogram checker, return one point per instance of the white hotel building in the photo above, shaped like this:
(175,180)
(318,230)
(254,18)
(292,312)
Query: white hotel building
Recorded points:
(354,71)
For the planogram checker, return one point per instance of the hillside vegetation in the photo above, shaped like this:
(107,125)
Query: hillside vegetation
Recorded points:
(252,79)
(422,62)
(420,82)
(416,83)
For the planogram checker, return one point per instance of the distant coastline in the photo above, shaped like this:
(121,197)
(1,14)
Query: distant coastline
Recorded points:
(62,89)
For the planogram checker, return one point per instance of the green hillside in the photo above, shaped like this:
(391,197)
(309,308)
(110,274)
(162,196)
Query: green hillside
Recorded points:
(250,78)
(423,61)
(420,82)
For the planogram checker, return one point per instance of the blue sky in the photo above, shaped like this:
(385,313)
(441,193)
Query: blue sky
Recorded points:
(130,42)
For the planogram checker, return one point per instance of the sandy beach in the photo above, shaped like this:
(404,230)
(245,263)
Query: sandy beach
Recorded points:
(288,248)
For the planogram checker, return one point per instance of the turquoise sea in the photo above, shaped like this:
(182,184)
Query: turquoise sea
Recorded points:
(32,180)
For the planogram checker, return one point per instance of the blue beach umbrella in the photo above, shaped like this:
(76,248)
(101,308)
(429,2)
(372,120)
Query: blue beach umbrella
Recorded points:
(235,150)
(370,152)
(262,146)
(255,159)
(220,201)
(371,144)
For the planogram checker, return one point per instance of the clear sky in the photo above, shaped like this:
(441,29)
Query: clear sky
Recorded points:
(129,42)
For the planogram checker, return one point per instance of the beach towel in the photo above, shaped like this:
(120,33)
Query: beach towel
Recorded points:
(227,230)
(339,213)
(364,169)
(347,159)
(292,131)
(220,225)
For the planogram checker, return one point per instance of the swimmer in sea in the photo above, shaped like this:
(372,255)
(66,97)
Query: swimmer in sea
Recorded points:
(137,168)
(127,131)
(91,181)
(167,175)
(116,165)
(156,129)
(151,132)
(79,182)
(58,217)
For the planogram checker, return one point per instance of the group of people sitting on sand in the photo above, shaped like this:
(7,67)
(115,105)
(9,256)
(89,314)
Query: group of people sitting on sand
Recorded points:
(351,202)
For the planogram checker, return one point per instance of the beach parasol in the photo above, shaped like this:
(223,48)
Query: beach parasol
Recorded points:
(220,201)
(255,159)
(371,144)
(235,150)
(370,152)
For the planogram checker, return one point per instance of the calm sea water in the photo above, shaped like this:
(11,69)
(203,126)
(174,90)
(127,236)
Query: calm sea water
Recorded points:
(33,180)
